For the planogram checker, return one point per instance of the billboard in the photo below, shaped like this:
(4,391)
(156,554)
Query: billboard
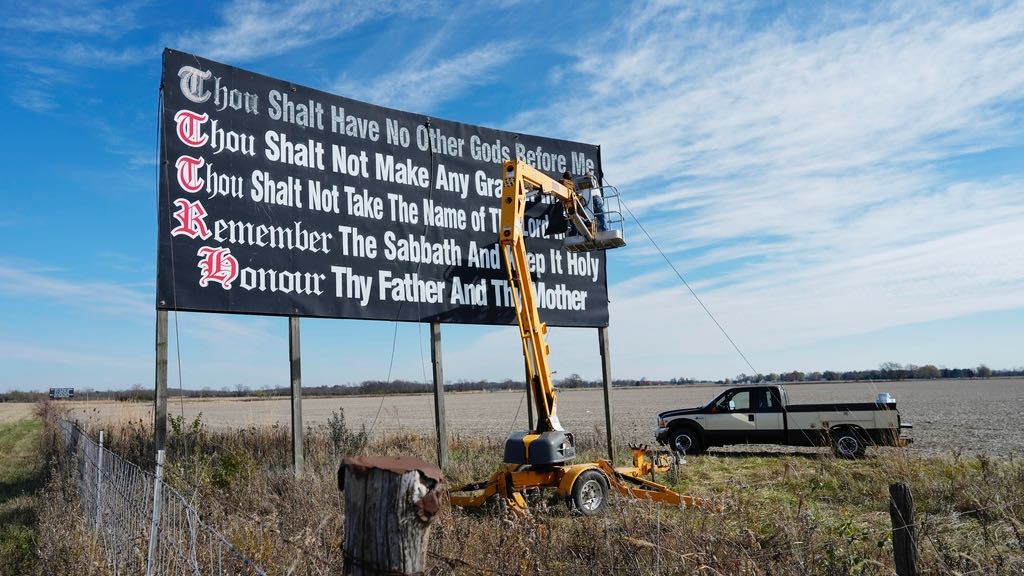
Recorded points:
(59,393)
(279,199)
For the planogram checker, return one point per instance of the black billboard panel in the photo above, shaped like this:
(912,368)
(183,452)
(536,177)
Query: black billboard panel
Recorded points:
(283,200)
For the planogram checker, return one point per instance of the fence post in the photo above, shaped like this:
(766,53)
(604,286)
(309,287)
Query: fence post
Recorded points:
(389,503)
(99,482)
(154,526)
(904,544)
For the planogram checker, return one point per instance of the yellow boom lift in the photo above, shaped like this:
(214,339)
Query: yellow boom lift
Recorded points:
(541,458)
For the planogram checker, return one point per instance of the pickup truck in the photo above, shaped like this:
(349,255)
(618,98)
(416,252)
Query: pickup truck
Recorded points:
(763,415)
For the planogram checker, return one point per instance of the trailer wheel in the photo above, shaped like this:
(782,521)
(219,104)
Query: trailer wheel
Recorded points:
(685,441)
(590,492)
(846,443)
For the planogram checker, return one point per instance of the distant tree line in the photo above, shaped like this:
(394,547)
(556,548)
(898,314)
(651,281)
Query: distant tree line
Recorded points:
(886,371)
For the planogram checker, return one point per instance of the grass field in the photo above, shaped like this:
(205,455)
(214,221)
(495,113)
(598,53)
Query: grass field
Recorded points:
(21,476)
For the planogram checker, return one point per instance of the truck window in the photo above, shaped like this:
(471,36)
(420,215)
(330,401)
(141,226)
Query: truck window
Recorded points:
(740,400)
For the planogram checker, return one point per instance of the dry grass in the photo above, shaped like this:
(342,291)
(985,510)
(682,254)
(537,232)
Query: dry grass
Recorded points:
(789,513)
(13,412)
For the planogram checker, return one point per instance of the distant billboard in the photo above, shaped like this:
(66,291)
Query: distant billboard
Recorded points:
(59,393)
(280,199)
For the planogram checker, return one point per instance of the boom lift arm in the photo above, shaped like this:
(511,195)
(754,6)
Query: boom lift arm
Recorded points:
(520,181)
(539,458)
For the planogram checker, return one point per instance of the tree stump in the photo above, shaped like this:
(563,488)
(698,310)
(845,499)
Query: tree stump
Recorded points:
(389,503)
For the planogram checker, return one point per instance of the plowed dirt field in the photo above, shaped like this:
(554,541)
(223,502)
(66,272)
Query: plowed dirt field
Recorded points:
(949,416)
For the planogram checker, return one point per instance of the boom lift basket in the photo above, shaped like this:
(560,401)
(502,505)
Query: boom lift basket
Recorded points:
(605,213)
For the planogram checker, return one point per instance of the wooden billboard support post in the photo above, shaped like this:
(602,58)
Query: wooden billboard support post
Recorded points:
(295,360)
(606,375)
(439,416)
(160,394)
(389,503)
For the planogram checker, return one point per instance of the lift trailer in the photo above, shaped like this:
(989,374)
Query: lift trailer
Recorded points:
(541,458)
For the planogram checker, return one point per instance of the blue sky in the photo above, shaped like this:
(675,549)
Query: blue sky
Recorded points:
(842,184)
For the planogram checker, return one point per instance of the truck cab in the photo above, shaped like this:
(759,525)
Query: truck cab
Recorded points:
(747,415)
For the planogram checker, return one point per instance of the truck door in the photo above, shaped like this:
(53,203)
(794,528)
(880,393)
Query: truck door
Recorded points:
(771,427)
(731,420)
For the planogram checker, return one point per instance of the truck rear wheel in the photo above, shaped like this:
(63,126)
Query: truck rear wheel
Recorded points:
(685,441)
(590,492)
(847,443)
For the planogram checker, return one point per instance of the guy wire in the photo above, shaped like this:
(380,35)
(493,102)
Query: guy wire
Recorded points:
(398,314)
(687,284)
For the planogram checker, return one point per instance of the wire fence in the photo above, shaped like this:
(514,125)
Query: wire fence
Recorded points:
(142,525)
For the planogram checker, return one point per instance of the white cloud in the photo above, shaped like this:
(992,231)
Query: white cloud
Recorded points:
(29,281)
(26,280)
(226,330)
(80,54)
(813,159)
(904,90)
(47,44)
(77,17)
(423,82)
(48,355)
(210,344)
(254,29)
(33,99)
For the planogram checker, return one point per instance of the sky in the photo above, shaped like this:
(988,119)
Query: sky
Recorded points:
(842,184)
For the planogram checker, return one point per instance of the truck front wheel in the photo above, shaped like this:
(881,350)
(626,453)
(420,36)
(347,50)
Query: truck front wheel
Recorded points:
(846,443)
(686,441)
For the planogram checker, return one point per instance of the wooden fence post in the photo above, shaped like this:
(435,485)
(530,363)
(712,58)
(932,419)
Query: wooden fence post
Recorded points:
(389,503)
(904,543)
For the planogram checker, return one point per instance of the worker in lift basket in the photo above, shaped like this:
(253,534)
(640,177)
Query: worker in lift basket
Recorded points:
(597,201)
(588,186)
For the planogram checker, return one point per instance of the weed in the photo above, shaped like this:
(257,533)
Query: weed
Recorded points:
(344,439)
